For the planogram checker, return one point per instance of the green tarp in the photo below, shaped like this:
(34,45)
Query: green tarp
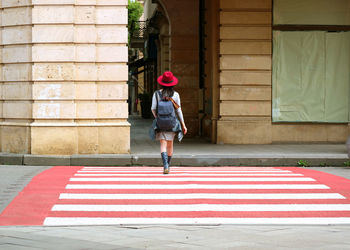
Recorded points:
(311,12)
(311,76)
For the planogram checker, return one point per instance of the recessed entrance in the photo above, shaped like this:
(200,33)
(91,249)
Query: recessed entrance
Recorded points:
(166,40)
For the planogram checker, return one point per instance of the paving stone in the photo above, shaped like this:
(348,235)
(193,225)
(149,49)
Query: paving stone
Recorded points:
(220,237)
(80,235)
(17,247)
(183,246)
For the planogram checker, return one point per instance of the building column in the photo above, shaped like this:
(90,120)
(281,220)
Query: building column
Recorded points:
(245,72)
(16,82)
(1,83)
(80,73)
(68,83)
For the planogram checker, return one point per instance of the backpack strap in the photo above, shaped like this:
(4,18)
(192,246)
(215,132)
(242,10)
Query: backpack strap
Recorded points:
(176,106)
(157,94)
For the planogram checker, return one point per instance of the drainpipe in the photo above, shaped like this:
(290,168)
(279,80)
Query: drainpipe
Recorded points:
(202,62)
(215,26)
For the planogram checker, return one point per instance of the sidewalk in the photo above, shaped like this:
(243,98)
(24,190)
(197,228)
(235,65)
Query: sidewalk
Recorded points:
(195,152)
(174,237)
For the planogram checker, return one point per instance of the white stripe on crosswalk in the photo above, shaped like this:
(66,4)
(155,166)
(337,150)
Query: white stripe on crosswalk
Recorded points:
(198,186)
(203,196)
(161,178)
(188,175)
(184,171)
(190,168)
(57,221)
(204,207)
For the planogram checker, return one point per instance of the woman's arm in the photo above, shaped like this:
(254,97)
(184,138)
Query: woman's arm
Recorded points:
(154,113)
(182,121)
(179,113)
(154,105)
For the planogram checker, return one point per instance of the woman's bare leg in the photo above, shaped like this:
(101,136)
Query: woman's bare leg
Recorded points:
(169,147)
(163,146)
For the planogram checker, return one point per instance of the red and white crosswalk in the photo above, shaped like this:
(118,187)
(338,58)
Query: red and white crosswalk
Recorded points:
(247,195)
(193,195)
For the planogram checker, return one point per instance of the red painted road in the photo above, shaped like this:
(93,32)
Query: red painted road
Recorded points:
(189,195)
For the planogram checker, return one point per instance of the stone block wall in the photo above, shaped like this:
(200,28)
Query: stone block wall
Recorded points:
(245,47)
(245,72)
(1,83)
(65,72)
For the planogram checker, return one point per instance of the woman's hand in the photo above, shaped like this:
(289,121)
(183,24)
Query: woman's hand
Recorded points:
(184,129)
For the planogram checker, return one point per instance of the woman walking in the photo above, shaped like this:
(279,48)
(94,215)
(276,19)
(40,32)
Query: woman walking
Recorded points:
(165,103)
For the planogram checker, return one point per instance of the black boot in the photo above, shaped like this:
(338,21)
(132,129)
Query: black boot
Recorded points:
(169,160)
(165,162)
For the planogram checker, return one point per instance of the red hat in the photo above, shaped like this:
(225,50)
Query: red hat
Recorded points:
(167,79)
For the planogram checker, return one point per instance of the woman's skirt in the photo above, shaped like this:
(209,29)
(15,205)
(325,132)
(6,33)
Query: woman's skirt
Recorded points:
(165,135)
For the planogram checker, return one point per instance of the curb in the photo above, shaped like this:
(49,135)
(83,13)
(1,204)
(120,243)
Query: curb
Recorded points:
(100,160)
(11,159)
(154,160)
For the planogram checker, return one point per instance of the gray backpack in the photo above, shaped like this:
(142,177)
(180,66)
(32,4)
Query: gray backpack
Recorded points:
(166,118)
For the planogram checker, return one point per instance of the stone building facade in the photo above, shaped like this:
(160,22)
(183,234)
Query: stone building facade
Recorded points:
(64,70)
